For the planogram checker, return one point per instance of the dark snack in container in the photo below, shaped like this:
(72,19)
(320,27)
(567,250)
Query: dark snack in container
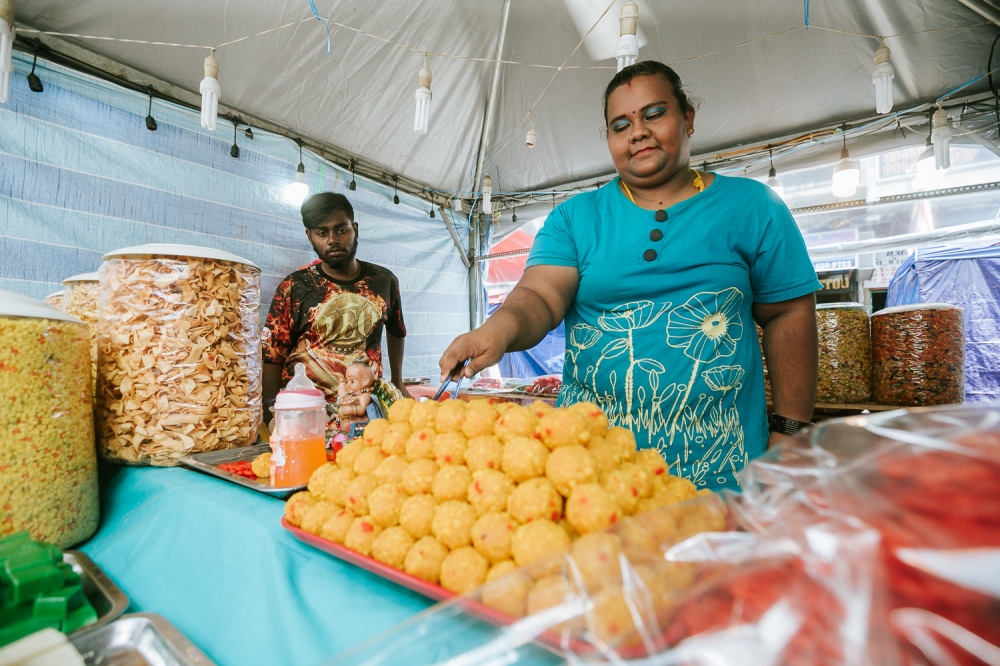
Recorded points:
(918,355)
(845,360)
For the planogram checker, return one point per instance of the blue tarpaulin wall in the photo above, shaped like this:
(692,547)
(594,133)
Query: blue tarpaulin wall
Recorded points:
(80,175)
(969,278)
(545,358)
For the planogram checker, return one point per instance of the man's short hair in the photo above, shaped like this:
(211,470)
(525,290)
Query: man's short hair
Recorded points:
(319,208)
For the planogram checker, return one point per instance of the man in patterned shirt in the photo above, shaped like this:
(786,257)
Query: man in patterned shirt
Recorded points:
(332,313)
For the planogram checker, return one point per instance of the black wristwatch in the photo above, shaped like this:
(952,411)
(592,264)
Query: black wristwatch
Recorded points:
(785,426)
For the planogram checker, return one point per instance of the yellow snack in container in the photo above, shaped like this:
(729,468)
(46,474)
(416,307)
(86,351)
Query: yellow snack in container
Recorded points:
(48,462)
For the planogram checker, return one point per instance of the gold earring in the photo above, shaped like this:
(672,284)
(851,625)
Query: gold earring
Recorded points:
(690,131)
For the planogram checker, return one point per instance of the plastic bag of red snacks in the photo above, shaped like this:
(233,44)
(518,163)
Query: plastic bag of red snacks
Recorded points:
(929,482)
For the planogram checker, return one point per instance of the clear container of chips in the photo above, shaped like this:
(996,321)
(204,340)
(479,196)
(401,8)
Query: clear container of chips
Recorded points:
(80,300)
(179,364)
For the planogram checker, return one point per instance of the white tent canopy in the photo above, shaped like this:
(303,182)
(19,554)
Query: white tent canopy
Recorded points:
(758,71)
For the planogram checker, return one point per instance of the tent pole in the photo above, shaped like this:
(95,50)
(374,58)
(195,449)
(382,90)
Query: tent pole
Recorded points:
(474,273)
(476,306)
(491,99)
(984,9)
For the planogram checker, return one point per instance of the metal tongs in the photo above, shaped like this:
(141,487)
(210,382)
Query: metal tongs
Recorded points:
(444,386)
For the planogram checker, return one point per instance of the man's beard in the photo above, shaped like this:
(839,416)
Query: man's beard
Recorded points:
(339,263)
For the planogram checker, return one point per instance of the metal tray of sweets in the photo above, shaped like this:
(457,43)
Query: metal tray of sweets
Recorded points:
(138,639)
(209,464)
(109,601)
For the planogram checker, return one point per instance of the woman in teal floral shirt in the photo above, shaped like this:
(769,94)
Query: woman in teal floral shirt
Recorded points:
(660,276)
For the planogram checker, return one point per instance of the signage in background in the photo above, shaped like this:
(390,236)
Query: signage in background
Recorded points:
(885,265)
(816,239)
(840,283)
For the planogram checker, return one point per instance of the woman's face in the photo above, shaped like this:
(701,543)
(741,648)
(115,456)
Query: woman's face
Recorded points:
(647,132)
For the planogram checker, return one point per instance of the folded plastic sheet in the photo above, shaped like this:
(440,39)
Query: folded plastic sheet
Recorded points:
(865,541)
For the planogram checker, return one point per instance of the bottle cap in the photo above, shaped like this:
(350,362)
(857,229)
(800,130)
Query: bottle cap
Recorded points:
(309,399)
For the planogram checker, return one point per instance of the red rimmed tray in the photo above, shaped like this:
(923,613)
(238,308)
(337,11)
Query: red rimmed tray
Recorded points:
(342,552)
(418,585)
(547,640)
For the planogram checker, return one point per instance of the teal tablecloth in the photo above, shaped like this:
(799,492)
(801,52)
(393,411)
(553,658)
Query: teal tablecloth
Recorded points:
(214,560)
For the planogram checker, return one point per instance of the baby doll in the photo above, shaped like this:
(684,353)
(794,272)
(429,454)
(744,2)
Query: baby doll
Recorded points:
(353,398)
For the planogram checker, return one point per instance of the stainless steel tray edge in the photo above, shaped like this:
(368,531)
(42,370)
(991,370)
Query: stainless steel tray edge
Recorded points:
(102,585)
(206,462)
(99,646)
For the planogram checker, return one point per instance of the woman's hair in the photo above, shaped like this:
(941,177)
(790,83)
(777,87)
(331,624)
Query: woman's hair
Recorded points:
(319,208)
(648,68)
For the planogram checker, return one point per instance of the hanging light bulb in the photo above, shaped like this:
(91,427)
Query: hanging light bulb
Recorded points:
(353,186)
(487,193)
(941,137)
(432,213)
(297,190)
(513,218)
(846,175)
(627,51)
(210,93)
(531,137)
(772,180)
(395,191)
(882,78)
(456,205)
(6,47)
(422,120)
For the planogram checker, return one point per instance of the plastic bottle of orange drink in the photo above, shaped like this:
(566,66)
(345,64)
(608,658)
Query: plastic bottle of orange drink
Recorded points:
(298,443)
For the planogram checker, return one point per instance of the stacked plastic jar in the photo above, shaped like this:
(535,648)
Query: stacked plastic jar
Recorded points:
(845,359)
(178,353)
(918,355)
(48,463)
(80,300)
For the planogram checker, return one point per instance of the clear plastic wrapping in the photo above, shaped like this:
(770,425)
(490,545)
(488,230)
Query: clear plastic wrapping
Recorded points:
(845,361)
(179,367)
(918,355)
(865,541)
(927,481)
(81,301)
(48,462)
(666,587)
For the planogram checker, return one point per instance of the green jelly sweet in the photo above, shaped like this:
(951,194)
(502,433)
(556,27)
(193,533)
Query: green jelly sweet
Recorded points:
(79,618)
(28,583)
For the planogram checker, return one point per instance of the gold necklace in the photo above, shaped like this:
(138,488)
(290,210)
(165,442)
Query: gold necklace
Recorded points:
(698,183)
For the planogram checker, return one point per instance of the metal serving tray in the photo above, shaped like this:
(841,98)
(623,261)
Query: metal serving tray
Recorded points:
(209,462)
(109,601)
(139,639)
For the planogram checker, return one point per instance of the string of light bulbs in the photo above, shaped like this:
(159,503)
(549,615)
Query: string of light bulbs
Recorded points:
(626,54)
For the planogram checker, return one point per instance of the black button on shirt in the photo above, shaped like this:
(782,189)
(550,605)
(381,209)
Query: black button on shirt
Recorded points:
(649,255)
(655,235)
(661,216)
